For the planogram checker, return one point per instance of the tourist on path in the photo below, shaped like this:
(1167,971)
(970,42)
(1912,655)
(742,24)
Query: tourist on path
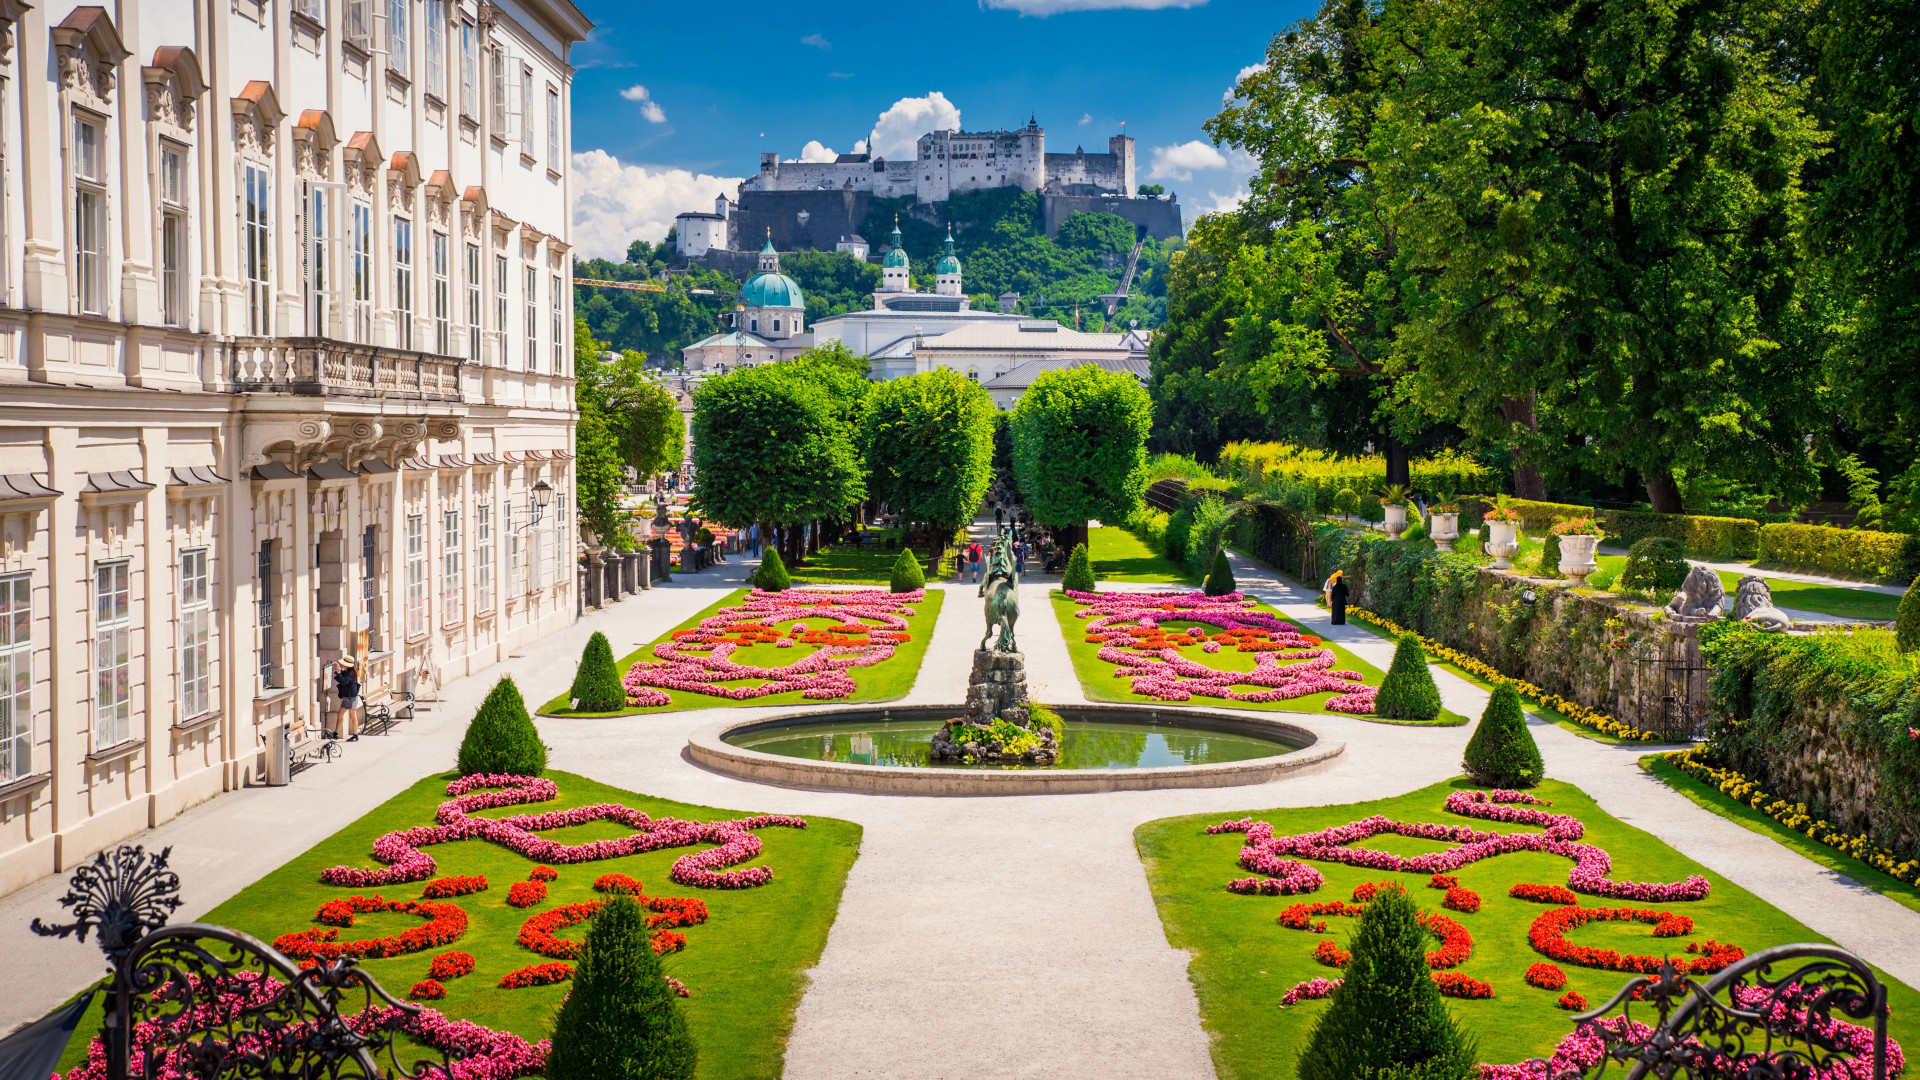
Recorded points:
(1019,556)
(973,556)
(1336,590)
(999,519)
(346,684)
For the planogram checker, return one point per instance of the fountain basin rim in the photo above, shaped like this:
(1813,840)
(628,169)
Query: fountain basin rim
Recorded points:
(708,746)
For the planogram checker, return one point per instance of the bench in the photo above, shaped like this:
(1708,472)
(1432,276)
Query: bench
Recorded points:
(379,719)
(309,751)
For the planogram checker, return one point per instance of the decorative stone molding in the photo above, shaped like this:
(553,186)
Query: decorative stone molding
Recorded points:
(440,198)
(11,11)
(313,143)
(363,163)
(403,177)
(89,50)
(302,438)
(174,85)
(256,120)
(473,213)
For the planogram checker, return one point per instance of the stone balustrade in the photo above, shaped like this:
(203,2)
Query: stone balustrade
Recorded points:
(323,367)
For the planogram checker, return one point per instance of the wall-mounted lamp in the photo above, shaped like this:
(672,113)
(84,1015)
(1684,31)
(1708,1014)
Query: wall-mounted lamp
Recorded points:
(537,501)
(1528,597)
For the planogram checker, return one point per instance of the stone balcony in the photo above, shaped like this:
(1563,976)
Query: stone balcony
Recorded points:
(324,367)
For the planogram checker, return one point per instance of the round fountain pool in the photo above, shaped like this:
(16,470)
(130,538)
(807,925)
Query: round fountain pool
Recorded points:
(1105,748)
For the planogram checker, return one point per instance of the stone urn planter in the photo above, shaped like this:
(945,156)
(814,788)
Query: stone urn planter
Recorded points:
(1576,557)
(1396,519)
(1444,528)
(1502,540)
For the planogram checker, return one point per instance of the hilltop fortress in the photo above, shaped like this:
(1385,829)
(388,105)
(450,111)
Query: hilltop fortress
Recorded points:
(821,205)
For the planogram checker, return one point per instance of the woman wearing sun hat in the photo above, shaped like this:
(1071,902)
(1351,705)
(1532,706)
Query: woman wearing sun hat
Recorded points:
(1335,591)
(346,684)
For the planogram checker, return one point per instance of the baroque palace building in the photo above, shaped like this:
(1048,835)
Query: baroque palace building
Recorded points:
(285,374)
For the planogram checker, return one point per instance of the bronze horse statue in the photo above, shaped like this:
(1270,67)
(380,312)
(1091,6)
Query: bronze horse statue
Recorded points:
(1002,591)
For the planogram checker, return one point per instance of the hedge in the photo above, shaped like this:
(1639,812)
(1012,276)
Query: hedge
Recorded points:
(1849,553)
(1699,536)
(1538,517)
(1324,473)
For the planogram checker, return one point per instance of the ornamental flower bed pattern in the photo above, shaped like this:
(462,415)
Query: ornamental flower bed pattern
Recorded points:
(404,860)
(445,923)
(699,660)
(1288,664)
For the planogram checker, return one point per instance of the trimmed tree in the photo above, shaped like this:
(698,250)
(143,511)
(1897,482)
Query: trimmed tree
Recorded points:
(928,444)
(501,737)
(620,1020)
(1502,752)
(1906,625)
(907,575)
(1408,693)
(1079,576)
(596,682)
(1080,446)
(1550,556)
(772,574)
(1220,582)
(1387,1019)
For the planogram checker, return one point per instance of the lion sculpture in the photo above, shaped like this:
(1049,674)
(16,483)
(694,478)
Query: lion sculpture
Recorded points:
(1699,597)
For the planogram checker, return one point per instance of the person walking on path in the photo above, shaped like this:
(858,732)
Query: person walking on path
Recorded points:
(999,519)
(973,556)
(346,684)
(1019,556)
(1336,592)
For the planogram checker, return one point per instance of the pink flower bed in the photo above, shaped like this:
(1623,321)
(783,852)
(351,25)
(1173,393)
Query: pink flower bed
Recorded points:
(1277,857)
(404,860)
(698,661)
(1165,674)
(1310,990)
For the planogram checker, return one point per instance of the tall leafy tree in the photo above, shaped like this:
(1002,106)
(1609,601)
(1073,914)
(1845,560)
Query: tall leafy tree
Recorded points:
(642,415)
(1080,446)
(928,444)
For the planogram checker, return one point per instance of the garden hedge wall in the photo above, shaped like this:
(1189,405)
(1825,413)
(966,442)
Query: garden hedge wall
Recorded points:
(1263,463)
(1822,720)
(1700,536)
(1850,553)
(1538,517)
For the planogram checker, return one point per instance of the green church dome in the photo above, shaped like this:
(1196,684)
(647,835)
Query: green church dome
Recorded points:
(898,255)
(772,290)
(949,263)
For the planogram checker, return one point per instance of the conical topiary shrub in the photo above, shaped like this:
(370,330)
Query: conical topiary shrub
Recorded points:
(1079,575)
(907,575)
(1502,752)
(1906,623)
(1550,556)
(1408,693)
(596,682)
(772,574)
(501,737)
(620,1020)
(1387,1019)
(1220,582)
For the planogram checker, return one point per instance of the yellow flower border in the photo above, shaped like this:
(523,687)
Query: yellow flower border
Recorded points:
(1572,710)
(1745,789)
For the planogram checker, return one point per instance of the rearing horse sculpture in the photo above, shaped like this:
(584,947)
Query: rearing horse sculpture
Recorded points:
(1002,590)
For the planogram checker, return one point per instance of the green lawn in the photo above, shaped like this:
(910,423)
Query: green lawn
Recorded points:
(1740,813)
(1097,677)
(848,563)
(1243,960)
(1119,555)
(885,681)
(745,966)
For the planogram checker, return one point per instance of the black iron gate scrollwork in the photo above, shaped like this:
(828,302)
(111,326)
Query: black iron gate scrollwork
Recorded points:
(207,1002)
(1670,689)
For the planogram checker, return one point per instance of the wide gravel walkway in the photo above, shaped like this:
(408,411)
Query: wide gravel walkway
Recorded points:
(979,937)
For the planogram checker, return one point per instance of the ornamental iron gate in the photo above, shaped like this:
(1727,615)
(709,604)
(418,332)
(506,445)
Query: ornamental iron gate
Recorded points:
(1669,690)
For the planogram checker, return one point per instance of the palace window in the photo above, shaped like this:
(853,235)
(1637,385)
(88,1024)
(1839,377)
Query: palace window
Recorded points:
(397,58)
(483,557)
(112,654)
(469,71)
(473,303)
(173,235)
(266,613)
(553,129)
(559,298)
(533,319)
(513,559)
(450,590)
(500,302)
(196,622)
(362,241)
(258,251)
(403,281)
(370,583)
(497,91)
(526,111)
(360,24)
(313,251)
(442,315)
(436,48)
(16,677)
(416,575)
(90,214)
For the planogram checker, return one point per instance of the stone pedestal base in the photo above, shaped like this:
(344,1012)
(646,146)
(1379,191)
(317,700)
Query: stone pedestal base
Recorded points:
(997,690)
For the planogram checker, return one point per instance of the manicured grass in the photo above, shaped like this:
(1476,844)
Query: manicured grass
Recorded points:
(1100,684)
(1119,555)
(1243,960)
(1834,600)
(745,966)
(885,681)
(1740,813)
(848,563)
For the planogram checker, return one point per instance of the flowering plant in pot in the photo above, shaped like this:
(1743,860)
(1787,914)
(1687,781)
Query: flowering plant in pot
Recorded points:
(1394,499)
(1443,520)
(1578,539)
(1500,534)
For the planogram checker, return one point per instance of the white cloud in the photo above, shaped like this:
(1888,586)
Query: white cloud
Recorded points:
(1086,118)
(901,126)
(1179,161)
(649,108)
(1234,90)
(1229,201)
(1044,8)
(615,204)
(839,74)
(817,42)
(813,151)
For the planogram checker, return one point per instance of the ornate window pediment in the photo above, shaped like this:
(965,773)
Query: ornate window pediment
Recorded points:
(313,143)
(473,211)
(403,176)
(363,163)
(89,49)
(174,85)
(439,197)
(256,119)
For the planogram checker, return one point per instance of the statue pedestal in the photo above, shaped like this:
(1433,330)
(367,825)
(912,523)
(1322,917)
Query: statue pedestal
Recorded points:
(997,690)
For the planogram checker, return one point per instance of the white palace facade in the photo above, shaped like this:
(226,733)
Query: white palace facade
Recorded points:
(285,374)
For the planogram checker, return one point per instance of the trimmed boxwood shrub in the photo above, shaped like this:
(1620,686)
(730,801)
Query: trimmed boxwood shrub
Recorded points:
(1538,517)
(1906,625)
(1654,564)
(772,575)
(620,1021)
(1698,535)
(1179,528)
(1079,576)
(907,575)
(1502,752)
(1220,582)
(1387,1020)
(1550,556)
(596,682)
(1849,553)
(1408,693)
(501,737)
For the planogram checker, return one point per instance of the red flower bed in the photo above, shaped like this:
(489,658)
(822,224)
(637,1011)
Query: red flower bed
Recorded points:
(1459,899)
(457,885)
(1366,890)
(1456,945)
(1572,1001)
(1301,916)
(525,894)
(543,873)
(1548,935)
(617,883)
(540,933)
(536,975)
(334,913)
(1543,894)
(1331,955)
(451,965)
(427,990)
(1443,881)
(1546,976)
(1454,984)
(445,923)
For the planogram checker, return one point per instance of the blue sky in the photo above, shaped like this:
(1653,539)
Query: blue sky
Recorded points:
(671,100)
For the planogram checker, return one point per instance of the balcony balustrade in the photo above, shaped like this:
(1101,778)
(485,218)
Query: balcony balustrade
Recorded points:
(324,367)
